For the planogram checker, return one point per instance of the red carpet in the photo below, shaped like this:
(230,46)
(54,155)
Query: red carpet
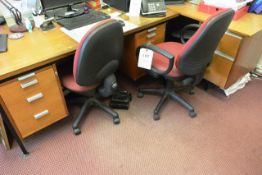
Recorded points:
(224,139)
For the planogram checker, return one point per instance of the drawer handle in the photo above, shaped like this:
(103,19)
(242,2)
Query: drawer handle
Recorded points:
(34,97)
(151,35)
(233,35)
(28,84)
(222,54)
(26,76)
(151,29)
(41,114)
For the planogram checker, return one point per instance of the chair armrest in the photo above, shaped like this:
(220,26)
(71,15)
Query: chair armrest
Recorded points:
(163,52)
(187,28)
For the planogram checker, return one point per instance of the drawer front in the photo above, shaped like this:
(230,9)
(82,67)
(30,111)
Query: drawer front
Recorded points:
(129,63)
(230,44)
(218,71)
(152,35)
(37,106)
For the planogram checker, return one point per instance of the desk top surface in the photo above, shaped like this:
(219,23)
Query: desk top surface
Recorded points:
(40,48)
(28,53)
(248,25)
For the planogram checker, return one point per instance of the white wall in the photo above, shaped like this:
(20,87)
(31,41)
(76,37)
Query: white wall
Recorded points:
(22,5)
(259,66)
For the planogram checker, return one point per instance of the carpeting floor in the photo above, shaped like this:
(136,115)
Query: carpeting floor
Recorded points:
(224,139)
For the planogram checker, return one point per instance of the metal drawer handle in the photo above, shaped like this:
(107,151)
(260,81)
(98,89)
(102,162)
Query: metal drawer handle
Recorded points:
(26,76)
(41,114)
(151,29)
(233,35)
(28,84)
(224,55)
(34,97)
(151,35)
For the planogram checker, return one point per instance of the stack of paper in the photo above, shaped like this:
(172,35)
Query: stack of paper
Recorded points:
(234,4)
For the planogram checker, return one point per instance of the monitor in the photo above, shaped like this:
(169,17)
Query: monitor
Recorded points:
(53,4)
(170,2)
(62,8)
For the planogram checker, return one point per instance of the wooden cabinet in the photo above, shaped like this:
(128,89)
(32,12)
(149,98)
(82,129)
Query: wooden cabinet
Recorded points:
(152,35)
(33,101)
(230,44)
(219,69)
(5,138)
(225,55)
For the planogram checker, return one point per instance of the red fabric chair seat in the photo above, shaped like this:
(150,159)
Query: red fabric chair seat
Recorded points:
(70,83)
(161,63)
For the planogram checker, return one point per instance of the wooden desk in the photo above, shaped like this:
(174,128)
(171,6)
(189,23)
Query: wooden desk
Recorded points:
(28,74)
(38,50)
(248,25)
(239,50)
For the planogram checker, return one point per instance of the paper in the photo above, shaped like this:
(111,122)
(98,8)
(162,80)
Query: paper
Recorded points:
(78,33)
(128,25)
(115,14)
(238,85)
(145,58)
(135,7)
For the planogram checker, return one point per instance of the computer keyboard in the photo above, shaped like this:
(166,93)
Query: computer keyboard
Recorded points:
(82,20)
(3,42)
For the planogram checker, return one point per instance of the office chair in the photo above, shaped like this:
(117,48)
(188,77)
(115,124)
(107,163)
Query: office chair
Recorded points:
(96,59)
(182,66)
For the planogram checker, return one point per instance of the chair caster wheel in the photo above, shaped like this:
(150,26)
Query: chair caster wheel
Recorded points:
(140,94)
(191,92)
(156,117)
(77,131)
(116,120)
(192,114)
(130,97)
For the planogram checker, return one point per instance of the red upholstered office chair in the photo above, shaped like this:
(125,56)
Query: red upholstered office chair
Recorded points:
(96,59)
(185,63)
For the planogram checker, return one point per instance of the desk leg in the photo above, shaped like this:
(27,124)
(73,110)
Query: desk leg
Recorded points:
(12,130)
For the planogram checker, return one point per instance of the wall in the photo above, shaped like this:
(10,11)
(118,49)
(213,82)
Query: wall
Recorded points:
(22,5)
(259,66)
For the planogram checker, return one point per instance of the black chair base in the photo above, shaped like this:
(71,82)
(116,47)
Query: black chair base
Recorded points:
(168,92)
(87,103)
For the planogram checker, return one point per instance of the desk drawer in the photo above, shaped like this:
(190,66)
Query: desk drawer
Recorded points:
(230,44)
(218,71)
(37,106)
(152,35)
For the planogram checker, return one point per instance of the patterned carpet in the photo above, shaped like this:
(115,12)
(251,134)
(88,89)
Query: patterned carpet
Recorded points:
(224,139)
